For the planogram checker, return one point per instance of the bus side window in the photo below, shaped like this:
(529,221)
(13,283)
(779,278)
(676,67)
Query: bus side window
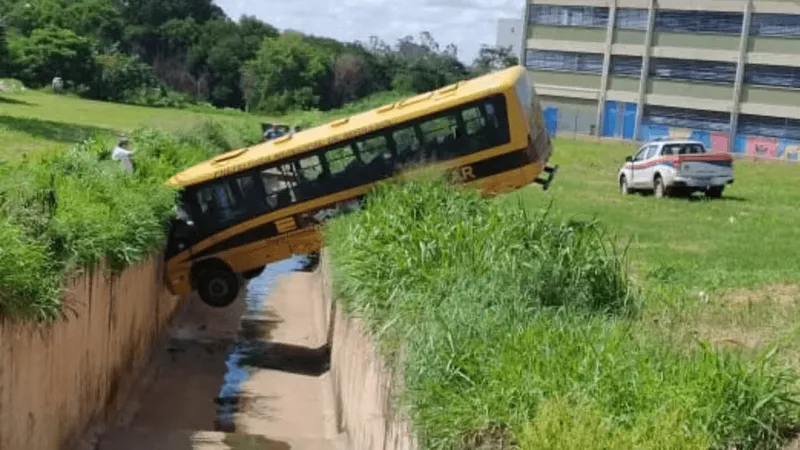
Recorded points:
(497,118)
(339,159)
(473,120)
(248,190)
(310,168)
(375,154)
(440,137)
(372,148)
(311,173)
(491,115)
(406,143)
(279,182)
(219,205)
(476,129)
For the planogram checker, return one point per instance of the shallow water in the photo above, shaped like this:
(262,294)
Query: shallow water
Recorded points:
(255,296)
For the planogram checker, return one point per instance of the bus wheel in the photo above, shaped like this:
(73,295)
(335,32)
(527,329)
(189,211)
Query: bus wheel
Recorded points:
(218,287)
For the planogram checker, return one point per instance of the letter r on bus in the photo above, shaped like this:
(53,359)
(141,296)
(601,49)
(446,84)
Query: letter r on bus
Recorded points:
(462,174)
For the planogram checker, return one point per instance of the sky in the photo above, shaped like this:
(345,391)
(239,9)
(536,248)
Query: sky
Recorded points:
(466,23)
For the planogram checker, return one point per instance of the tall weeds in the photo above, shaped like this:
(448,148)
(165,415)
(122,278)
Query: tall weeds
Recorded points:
(517,331)
(61,212)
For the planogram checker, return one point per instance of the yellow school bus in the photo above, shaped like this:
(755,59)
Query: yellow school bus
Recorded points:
(253,206)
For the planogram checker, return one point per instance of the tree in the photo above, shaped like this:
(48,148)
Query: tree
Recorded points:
(422,66)
(53,52)
(222,48)
(123,50)
(351,78)
(494,58)
(4,55)
(288,73)
(120,77)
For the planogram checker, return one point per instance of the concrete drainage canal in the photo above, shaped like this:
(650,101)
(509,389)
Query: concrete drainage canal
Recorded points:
(251,376)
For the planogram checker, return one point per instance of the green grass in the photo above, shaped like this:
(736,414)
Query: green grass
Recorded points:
(512,327)
(745,240)
(723,270)
(32,121)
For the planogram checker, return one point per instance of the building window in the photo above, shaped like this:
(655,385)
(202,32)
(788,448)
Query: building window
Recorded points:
(626,65)
(631,19)
(564,61)
(775,25)
(699,21)
(692,70)
(780,76)
(570,16)
(776,127)
(686,118)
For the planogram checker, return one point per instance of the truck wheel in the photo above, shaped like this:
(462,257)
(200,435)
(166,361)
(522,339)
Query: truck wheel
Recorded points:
(624,189)
(715,192)
(217,286)
(658,187)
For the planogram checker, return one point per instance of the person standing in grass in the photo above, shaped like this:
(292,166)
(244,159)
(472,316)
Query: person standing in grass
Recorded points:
(122,154)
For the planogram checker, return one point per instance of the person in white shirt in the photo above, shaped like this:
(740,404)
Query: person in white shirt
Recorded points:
(122,154)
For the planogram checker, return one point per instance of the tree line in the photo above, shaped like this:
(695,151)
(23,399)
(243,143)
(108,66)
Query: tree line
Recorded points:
(179,52)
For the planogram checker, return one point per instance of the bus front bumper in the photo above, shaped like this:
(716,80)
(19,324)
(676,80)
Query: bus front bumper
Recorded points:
(550,172)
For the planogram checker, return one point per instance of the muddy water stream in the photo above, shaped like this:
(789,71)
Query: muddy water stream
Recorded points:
(254,331)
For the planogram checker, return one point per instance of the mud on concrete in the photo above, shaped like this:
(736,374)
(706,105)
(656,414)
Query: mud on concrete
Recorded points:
(250,376)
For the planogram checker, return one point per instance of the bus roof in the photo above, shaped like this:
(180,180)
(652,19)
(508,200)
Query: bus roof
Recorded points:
(348,127)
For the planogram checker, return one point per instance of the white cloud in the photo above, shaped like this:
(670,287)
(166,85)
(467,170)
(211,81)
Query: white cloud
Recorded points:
(466,23)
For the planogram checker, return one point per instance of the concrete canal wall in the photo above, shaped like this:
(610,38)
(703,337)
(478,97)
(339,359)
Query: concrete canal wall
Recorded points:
(364,388)
(58,380)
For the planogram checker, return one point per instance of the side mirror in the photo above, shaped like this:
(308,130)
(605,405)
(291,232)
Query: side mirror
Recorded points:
(629,159)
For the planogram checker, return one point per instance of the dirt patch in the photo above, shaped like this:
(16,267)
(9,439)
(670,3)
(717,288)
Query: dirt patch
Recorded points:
(748,320)
(780,294)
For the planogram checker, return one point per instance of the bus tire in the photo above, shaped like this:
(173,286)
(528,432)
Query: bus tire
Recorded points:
(217,285)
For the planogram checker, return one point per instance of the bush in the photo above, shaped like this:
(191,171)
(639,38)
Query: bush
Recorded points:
(11,86)
(65,211)
(516,330)
(28,283)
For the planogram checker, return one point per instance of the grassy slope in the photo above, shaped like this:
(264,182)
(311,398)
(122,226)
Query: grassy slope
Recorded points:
(467,292)
(32,120)
(722,271)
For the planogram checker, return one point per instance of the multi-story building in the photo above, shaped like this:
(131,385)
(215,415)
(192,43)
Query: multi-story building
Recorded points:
(726,72)
(509,34)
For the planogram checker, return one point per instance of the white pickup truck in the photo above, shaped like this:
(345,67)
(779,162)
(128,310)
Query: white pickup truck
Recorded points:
(676,167)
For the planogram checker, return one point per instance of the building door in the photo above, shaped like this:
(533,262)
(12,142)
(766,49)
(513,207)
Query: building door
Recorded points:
(551,120)
(610,119)
(628,120)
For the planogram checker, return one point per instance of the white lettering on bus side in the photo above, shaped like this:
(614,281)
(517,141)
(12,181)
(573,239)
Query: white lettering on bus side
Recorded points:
(463,174)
